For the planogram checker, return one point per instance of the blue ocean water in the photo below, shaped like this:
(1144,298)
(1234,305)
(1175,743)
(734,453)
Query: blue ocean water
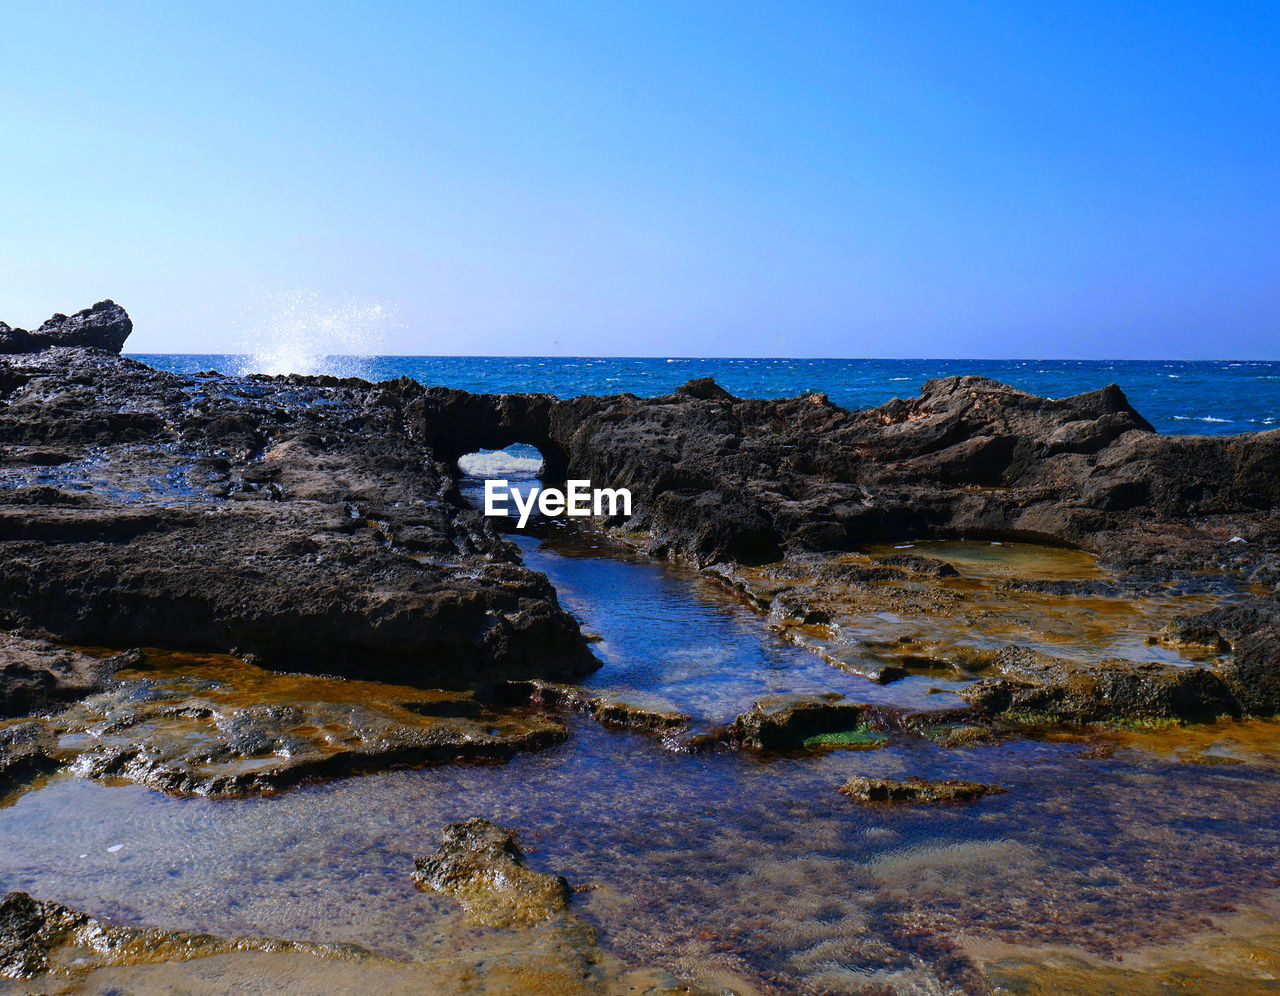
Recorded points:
(1210,397)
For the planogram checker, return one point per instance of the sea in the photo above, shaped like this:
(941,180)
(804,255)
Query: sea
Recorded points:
(1176,396)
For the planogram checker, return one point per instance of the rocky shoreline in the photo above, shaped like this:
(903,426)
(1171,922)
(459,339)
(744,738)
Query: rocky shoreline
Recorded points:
(314,525)
(227,586)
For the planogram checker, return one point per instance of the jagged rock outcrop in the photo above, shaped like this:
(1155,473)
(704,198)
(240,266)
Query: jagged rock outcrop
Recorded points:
(719,478)
(302,522)
(315,523)
(104,326)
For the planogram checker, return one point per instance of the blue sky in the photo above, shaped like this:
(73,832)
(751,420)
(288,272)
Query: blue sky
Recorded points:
(692,178)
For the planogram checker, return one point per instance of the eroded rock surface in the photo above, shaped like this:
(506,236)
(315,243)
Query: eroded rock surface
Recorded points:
(303,521)
(1023,630)
(36,674)
(719,478)
(915,790)
(39,937)
(785,722)
(480,864)
(220,727)
(607,708)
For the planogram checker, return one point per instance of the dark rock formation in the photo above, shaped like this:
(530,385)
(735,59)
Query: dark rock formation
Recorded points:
(315,523)
(718,478)
(480,864)
(104,326)
(36,674)
(1252,676)
(915,790)
(301,521)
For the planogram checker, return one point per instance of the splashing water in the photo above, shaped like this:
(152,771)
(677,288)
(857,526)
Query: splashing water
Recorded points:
(304,332)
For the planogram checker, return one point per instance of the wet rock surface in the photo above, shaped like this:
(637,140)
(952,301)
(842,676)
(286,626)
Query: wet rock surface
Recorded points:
(26,753)
(608,709)
(785,722)
(915,790)
(40,937)
(1027,682)
(480,864)
(1021,630)
(222,728)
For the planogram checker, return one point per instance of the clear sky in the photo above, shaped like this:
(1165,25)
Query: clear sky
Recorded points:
(958,179)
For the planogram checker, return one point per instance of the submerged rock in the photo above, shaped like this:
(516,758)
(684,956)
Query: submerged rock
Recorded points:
(50,948)
(606,708)
(104,326)
(480,864)
(221,728)
(915,790)
(38,937)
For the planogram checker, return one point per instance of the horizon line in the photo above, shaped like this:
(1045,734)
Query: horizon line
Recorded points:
(802,359)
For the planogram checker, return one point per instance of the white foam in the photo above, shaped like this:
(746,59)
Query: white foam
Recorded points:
(500,464)
(304,332)
(1199,418)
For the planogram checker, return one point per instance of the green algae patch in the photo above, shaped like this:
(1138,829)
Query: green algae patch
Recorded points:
(860,738)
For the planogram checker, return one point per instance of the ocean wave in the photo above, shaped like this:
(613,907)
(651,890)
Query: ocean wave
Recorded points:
(1199,418)
(500,463)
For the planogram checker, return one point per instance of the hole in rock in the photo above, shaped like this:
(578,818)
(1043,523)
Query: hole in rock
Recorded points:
(518,462)
(520,465)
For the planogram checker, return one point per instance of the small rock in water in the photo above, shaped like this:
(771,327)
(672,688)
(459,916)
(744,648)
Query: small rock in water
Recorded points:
(480,864)
(915,790)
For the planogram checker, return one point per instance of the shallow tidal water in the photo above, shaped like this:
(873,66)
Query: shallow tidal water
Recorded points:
(752,872)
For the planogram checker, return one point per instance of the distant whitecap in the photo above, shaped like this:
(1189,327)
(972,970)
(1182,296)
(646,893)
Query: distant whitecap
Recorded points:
(500,463)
